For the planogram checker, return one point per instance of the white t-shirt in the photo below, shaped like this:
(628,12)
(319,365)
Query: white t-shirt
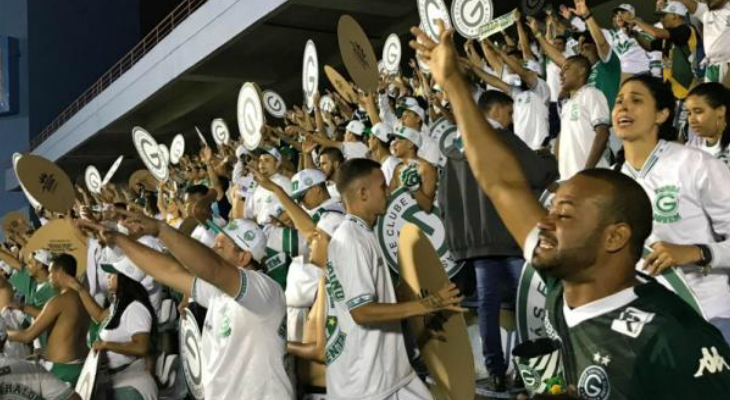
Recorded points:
(715,32)
(263,203)
(690,197)
(584,111)
(634,59)
(22,379)
(715,150)
(244,340)
(352,150)
(388,166)
(429,150)
(363,362)
(135,319)
(332,190)
(531,114)
(14,319)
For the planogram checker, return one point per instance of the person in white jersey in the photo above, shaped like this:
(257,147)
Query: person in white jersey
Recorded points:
(379,143)
(126,329)
(708,107)
(25,380)
(689,192)
(262,204)
(634,59)
(365,352)
(244,337)
(413,173)
(584,121)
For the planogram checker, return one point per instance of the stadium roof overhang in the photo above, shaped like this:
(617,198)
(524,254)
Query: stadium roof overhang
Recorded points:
(194,74)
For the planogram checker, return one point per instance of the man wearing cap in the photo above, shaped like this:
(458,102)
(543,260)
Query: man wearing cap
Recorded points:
(262,204)
(352,147)
(413,116)
(413,173)
(20,379)
(65,320)
(365,349)
(634,59)
(678,41)
(316,214)
(244,337)
(715,15)
(379,144)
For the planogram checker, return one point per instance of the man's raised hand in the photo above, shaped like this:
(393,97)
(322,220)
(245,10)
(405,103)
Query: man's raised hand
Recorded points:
(442,58)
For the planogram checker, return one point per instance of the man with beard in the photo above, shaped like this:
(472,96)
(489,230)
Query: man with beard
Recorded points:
(329,162)
(621,336)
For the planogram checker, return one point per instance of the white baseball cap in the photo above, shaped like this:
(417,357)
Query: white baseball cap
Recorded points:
(411,104)
(410,134)
(625,7)
(241,150)
(125,267)
(43,256)
(674,7)
(382,131)
(305,180)
(272,151)
(355,127)
(247,236)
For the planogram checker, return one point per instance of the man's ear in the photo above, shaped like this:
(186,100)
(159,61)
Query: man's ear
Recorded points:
(618,237)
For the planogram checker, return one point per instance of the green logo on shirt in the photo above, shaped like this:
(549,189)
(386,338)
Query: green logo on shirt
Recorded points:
(666,205)
(225,330)
(334,288)
(334,346)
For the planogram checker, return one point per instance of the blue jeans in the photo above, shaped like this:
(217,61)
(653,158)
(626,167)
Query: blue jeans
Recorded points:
(497,279)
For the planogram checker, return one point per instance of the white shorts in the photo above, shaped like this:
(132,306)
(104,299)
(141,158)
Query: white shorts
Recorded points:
(414,390)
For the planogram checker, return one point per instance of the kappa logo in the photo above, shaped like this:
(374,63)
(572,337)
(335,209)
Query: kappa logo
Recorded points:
(666,204)
(711,362)
(631,322)
(249,236)
(594,384)
(308,181)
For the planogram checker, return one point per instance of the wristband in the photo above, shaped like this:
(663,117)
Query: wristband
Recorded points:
(587,17)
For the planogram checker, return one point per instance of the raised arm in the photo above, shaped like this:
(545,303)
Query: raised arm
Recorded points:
(494,165)
(551,51)
(523,38)
(302,221)
(604,48)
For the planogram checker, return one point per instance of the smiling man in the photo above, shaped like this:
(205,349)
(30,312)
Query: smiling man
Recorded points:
(621,337)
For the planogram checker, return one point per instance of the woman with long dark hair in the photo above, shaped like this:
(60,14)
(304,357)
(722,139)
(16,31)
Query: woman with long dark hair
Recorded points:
(690,194)
(126,331)
(709,116)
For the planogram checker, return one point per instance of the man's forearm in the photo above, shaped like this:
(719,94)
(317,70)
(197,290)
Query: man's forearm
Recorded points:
(376,313)
(196,257)
(551,51)
(302,221)
(604,48)
(598,146)
(154,263)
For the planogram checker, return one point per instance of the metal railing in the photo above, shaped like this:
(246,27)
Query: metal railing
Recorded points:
(159,32)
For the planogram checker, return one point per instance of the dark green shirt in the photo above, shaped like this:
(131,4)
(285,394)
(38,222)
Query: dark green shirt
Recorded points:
(642,343)
(606,77)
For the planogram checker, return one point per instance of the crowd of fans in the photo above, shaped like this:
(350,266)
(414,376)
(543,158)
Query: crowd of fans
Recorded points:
(275,254)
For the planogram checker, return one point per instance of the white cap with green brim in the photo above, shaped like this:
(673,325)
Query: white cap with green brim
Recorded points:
(125,267)
(305,180)
(43,256)
(247,236)
(382,131)
(410,134)
(674,7)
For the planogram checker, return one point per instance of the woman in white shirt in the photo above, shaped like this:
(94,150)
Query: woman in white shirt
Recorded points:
(709,116)
(690,194)
(126,331)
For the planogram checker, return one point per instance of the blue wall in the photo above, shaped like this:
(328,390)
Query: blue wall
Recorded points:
(14,128)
